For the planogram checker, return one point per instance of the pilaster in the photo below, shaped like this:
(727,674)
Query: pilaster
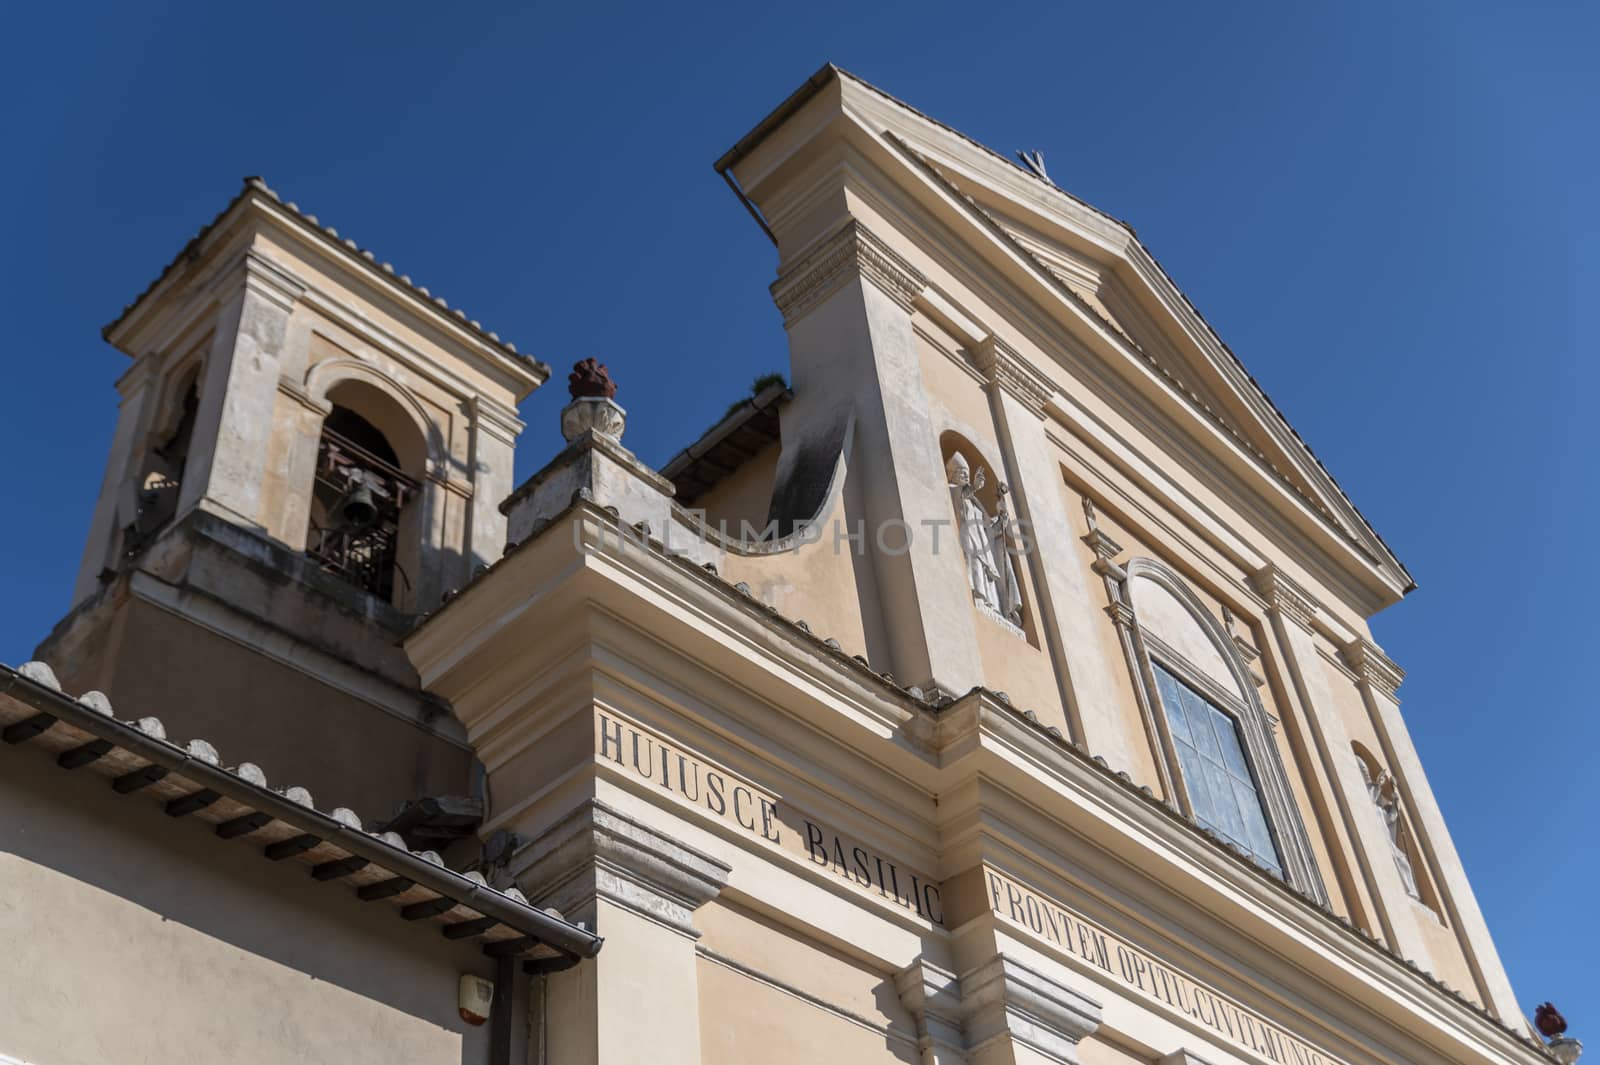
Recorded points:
(1000,1012)
(138,389)
(495,429)
(234,423)
(1292,612)
(1006,1005)
(1379,679)
(639,999)
(933,998)
(1017,396)
(847,306)
(597,853)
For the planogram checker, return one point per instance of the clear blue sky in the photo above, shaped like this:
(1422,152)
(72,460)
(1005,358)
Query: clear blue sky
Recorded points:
(1387,210)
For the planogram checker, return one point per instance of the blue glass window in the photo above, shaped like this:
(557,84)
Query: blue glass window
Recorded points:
(1216,774)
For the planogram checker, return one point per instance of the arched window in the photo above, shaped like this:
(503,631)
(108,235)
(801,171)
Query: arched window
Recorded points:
(363,501)
(161,474)
(1216,753)
(1216,773)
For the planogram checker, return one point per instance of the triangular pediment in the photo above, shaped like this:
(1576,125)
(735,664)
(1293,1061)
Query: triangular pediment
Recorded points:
(1100,280)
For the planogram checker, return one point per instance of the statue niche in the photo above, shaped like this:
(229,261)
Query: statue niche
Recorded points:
(1385,796)
(990,568)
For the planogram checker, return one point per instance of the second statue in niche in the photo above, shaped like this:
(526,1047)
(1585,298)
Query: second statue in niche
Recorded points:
(983,543)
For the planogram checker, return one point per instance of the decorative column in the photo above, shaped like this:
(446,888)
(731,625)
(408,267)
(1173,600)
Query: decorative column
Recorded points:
(1119,608)
(639,999)
(847,305)
(1379,679)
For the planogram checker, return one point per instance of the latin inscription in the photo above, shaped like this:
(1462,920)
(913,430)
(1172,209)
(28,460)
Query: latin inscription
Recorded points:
(1026,909)
(762,816)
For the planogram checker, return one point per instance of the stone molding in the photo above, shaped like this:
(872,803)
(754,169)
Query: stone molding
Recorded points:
(496,419)
(1014,375)
(854,251)
(598,852)
(1005,999)
(271,281)
(1372,666)
(1183,1056)
(933,998)
(1284,595)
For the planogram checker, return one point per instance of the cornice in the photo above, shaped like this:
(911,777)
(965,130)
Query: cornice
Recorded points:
(982,725)
(1014,375)
(1372,666)
(1005,999)
(256,197)
(599,852)
(497,419)
(979,720)
(854,251)
(1284,596)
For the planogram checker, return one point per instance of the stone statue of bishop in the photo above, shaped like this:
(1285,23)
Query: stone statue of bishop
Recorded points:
(989,568)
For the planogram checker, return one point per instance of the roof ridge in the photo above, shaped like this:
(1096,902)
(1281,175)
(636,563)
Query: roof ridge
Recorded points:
(347,246)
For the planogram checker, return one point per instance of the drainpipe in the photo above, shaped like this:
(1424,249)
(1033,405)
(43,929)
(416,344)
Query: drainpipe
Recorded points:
(505,978)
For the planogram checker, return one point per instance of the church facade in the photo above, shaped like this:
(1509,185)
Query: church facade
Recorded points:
(999,689)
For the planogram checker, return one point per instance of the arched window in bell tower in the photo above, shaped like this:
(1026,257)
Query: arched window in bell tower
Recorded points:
(161,475)
(364,500)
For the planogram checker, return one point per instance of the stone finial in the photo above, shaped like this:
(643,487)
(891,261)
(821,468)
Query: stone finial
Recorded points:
(590,379)
(593,407)
(1549,1021)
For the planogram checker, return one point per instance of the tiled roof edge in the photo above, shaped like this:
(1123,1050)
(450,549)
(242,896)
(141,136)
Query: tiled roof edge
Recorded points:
(34,684)
(351,249)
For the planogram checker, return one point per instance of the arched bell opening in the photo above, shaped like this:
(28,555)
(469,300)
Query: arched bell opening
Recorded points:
(366,511)
(160,476)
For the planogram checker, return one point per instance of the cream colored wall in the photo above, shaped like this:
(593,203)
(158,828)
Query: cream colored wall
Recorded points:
(131,936)
(252,708)
(1099,1051)
(1018,666)
(770,994)
(743,496)
(826,583)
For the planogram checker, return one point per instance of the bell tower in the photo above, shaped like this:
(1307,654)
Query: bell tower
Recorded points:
(310,451)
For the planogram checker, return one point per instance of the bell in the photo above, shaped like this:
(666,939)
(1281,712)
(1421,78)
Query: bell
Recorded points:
(357,509)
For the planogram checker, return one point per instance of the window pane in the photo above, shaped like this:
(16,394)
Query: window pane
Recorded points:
(1172,702)
(1228,740)
(1231,821)
(1260,842)
(1215,769)
(1194,778)
(1199,712)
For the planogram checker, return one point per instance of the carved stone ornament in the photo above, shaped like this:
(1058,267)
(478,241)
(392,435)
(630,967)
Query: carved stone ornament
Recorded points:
(854,251)
(590,379)
(597,852)
(1004,999)
(593,414)
(1011,373)
(990,571)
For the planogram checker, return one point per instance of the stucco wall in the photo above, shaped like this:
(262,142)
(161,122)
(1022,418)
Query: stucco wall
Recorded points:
(131,936)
